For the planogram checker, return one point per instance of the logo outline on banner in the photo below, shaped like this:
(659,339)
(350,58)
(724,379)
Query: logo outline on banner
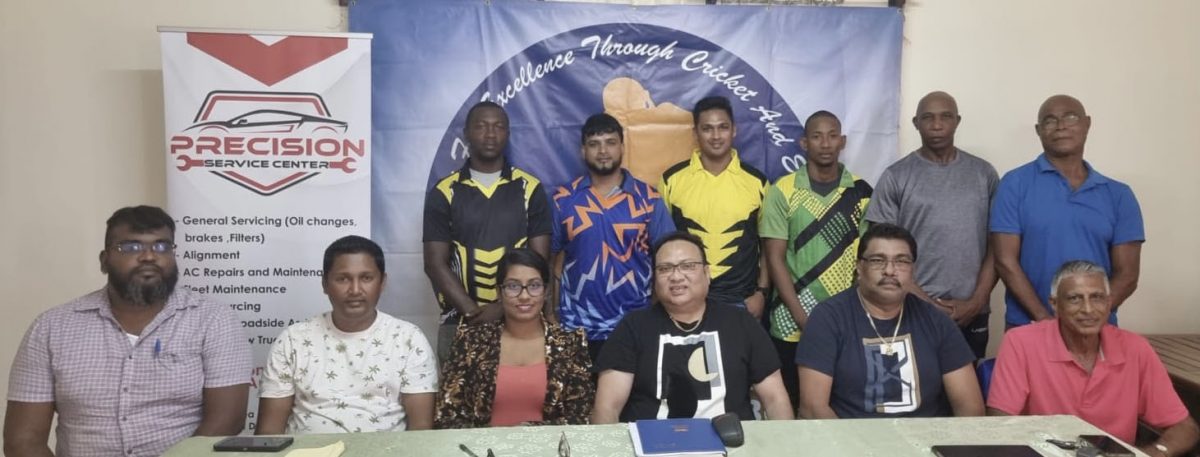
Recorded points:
(207,137)
(632,52)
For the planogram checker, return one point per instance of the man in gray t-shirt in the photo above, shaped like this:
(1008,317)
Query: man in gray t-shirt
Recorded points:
(942,195)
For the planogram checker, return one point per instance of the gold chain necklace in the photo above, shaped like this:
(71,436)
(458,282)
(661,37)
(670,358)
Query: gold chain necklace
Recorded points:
(887,348)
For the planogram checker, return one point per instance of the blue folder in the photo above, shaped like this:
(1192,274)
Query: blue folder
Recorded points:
(675,437)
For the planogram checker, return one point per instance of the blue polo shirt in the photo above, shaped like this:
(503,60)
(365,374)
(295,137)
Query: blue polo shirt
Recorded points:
(605,241)
(1057,224)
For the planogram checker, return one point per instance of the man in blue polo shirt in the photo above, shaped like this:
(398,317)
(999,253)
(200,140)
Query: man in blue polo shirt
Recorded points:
(604,224)
(1058,208)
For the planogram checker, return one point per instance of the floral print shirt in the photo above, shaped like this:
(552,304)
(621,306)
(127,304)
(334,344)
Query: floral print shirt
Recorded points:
(469,378)
(348,382)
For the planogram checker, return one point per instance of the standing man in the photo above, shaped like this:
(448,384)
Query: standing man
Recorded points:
(354,368)
(132,368)
(1058,208)
(942,195)
(717,197)
(810,227)
(876,350)
(472,216)
(604,224)
(1077,364)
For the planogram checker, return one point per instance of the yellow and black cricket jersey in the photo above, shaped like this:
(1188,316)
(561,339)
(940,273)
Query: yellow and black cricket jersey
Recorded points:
(481,222)
(723,211)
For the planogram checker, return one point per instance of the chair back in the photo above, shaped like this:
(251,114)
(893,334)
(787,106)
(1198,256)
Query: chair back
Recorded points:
(984,372)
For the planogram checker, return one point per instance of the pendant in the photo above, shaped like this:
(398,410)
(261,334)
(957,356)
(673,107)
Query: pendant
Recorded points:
(887,348)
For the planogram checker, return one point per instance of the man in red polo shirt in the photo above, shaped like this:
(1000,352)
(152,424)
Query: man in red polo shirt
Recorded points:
(1078,364)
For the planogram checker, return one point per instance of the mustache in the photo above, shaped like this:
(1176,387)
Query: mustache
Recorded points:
(145,268)
(888,281)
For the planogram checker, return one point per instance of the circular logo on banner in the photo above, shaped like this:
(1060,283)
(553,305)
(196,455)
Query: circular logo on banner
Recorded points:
(648,77)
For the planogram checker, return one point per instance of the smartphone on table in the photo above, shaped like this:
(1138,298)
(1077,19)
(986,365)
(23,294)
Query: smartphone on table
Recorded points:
(1107,446)
(253,444)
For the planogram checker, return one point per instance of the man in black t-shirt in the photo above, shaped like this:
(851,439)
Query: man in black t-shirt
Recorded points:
(472,217)
(681,357)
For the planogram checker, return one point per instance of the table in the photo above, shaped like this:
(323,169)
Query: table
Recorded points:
(862,437)
(1181,356)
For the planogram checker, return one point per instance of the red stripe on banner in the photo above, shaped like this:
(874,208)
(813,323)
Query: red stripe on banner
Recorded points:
(268,64)
(265,188)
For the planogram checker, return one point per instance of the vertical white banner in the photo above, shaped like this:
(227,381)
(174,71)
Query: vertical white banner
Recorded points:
(268,143)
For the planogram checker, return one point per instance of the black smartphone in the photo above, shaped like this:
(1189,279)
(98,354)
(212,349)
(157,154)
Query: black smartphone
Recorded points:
(1106,445)
(253,444)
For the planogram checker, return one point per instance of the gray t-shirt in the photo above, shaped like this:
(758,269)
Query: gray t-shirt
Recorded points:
(823,188)
(487,179)
(946,209)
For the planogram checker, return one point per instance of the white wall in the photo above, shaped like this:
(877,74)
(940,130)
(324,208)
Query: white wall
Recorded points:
(81,131)
(1134,65)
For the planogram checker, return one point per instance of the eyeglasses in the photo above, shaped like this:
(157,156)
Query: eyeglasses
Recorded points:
(564,447)
(138,247)
(1051,122)
(513,289)
(469,452)
(881,263)
(687,268)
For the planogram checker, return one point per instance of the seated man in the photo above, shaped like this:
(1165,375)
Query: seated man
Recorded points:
(353,369)
(848,368)
(681,357)
(132,368)
(1078,364)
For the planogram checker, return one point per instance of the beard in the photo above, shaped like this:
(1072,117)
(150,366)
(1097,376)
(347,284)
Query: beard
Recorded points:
(613,167)
(142,292)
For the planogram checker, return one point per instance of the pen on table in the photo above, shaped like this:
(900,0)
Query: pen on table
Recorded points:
(157,347)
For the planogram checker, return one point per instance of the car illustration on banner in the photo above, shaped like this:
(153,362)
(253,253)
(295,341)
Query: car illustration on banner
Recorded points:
(273,121)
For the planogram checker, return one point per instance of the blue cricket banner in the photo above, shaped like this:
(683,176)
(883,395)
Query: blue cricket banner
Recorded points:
(551,65)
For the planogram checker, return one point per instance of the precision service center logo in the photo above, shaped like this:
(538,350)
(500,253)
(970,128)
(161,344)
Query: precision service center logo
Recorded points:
(265,142)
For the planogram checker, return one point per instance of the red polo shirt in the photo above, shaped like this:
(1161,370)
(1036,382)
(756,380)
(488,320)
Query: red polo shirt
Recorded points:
(1036,375)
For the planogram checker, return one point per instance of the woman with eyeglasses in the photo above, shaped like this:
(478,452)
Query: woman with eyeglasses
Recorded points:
(522,369)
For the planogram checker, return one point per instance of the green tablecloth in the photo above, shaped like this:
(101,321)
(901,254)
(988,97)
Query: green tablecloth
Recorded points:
(863,437)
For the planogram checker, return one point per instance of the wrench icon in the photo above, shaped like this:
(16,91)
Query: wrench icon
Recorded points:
(346,165)
(188,162)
